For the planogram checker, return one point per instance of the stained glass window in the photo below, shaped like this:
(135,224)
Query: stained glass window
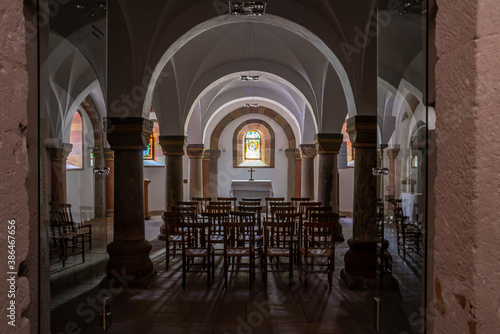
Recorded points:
(75,158)
(252,145)
(148,152)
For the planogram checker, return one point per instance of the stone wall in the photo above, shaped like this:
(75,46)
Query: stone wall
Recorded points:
(16,135)
(464,287)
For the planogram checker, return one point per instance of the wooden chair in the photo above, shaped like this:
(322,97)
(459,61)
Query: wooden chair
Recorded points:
(239,242)
(173,235)
(202,250)
(303,208)
(317,209)
(318,243)
(284,207)
(258,229)
(232,200)
(203,202)
(190,204)
(64,238)
(270,200)
(85,228)
(297,200)
(249,203)
(278,243)
(256,201)
(215,220)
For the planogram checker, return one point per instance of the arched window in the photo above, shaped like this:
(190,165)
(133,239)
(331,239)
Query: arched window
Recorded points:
(252,146)
(75,158)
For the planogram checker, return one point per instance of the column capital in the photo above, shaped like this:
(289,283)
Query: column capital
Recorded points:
(128,134)
(60,153)
(392,153)
(195,151)
(212,154)
(362,131)
(307,151)
(173,145)
(292,153)
(328,143)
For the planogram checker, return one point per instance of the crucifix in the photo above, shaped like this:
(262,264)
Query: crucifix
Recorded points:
(251,174)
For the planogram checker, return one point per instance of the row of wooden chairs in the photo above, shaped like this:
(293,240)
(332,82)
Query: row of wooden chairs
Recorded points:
(240,234)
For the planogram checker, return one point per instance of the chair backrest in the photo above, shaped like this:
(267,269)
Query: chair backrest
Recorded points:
(232,200)
(202,203)
(282,207)
(188,213)
(297,200)
(219,208)
(319,234)
(279,233)
(270,200)
(304,205)
(189,204)
(317,209)
(249,203)
(240,231)
(255,200)
(173,221)
(188,231)
(321,217)
(66,216)
(215,219)
(56,224)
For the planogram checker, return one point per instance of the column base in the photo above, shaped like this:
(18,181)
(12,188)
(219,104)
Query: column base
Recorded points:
(130,264)
(110,213)
(338,232)
(358,282)
(162,235)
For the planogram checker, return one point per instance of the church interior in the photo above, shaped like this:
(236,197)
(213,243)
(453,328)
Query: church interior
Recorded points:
(210,166)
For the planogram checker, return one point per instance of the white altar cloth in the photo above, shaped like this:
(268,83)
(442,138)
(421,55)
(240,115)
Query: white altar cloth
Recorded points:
(257,188)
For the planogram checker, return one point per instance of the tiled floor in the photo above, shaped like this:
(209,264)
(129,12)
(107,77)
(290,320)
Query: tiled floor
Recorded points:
(276,308)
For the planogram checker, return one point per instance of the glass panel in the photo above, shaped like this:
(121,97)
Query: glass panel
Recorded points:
(74,160)
(402,125)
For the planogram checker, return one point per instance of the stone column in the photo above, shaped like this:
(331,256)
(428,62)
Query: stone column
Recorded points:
(328,147)
(363,134)
(174,148)
(361,258)
(109,157)
(308,153)
(291,155)
(206,173)
(392,154)
(129,251)
(58,158)
(100,184)
(213,184)
(195,154)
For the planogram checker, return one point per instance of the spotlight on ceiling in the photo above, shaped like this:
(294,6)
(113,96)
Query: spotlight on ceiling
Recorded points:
(249,77)
(252,105)
(96,8)
(247,8)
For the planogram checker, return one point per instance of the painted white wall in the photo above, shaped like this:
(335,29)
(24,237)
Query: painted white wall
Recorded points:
(156,189)
(346,189)
(227,173)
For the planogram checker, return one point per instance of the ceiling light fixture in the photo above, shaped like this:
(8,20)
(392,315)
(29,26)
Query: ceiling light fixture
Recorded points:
(247,8)
(252,105)
(249,77)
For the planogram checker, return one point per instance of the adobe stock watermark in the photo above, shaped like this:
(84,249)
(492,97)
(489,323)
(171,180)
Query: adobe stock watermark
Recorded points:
(91,308)
(363,37)
(263,309)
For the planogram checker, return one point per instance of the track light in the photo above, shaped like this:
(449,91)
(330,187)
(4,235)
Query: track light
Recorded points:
(247,8)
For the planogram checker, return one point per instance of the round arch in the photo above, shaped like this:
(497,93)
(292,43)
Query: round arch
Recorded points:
(214,138)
